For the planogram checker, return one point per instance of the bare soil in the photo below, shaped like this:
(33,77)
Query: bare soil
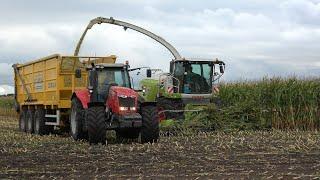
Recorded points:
(260,154)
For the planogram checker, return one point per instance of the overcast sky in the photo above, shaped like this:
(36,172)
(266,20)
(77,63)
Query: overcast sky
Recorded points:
(254,37)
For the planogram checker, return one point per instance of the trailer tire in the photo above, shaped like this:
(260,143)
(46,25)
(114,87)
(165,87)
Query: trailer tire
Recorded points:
(96,125)
(23,120)
(150,124)
(76,120)
(30,121)
(40,126)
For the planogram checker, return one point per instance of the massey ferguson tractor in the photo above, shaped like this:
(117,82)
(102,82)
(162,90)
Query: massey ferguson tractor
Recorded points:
(190,82)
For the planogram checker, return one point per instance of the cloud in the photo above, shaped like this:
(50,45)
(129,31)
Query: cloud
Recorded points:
(255,38)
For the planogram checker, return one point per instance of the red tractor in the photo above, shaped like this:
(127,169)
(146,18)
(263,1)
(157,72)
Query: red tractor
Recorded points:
(109,103)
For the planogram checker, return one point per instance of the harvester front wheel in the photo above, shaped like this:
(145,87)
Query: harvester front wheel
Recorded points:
(23,120)
(96,125)
(150,124)
(76,120)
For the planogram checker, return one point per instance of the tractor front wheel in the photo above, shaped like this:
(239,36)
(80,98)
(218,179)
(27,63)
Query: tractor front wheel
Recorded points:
(96,125)
(150,124)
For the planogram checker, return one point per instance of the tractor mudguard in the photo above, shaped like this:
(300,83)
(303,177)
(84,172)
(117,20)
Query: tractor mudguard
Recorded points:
(83,96)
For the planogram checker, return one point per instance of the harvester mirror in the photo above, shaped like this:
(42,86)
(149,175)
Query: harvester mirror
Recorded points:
(221,69)
(149,72)
(78,73)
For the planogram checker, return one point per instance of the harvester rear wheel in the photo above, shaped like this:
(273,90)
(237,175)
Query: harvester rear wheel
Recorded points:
(171,104)
(150,124)
(23,120)
(76,120)
(30,121)
(96,125)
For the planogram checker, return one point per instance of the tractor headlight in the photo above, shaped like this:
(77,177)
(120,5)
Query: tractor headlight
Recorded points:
(133,108)
(123,108)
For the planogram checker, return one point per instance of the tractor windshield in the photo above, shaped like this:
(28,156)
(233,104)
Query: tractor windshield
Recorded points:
(108,76)
(194,77)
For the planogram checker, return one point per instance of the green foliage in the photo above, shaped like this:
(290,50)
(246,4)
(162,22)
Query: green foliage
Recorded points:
(270,103)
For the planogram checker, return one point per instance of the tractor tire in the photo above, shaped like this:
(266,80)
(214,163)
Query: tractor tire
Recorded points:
(30,121)
(150,124)
(77,120)
(97,127)
(23,120)
(128,133)
(40,127)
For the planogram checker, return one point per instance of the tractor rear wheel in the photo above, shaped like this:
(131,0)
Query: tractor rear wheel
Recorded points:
(76,120)
(23,120)
(150,124)
(96,125)
(30,121)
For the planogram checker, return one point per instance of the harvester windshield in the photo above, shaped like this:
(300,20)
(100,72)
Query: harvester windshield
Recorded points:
(194,77)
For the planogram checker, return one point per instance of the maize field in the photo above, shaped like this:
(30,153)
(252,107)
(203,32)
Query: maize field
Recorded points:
(265,129)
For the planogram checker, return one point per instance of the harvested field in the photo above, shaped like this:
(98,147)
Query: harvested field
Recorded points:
(260,154)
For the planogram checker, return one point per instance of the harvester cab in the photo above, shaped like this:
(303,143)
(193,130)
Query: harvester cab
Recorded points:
(194,77)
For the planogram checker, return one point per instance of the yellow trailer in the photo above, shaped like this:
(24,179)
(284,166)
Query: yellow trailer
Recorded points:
(45,86)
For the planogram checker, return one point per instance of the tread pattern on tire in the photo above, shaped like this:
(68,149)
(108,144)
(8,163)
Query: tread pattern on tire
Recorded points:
(150,124)
(79,119)
(96,125)
(30,121)
(23,120)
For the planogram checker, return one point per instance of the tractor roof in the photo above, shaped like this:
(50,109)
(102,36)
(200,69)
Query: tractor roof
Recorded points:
(103,65)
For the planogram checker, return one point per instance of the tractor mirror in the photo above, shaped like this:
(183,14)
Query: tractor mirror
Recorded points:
(78,73)
(149,72)
(221,69)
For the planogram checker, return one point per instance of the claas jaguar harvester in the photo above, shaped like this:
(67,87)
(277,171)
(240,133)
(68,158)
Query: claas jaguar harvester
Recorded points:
(85,95)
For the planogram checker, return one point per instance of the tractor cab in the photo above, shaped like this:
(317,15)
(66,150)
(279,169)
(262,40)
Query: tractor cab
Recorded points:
(103,76)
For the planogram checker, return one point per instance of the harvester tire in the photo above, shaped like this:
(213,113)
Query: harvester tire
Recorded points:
(150,124)
(23,120)
(30,121)
(96,125)
(76,120)
(171,104)
(40,126)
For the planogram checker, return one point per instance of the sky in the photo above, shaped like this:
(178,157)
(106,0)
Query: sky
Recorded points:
(255,38)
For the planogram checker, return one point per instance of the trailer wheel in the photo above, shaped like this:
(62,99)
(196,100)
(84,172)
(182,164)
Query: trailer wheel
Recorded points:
(76,120)
(30,121)
(150,124)
(171,104)
(96,125)
(23,120)
(40,126)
